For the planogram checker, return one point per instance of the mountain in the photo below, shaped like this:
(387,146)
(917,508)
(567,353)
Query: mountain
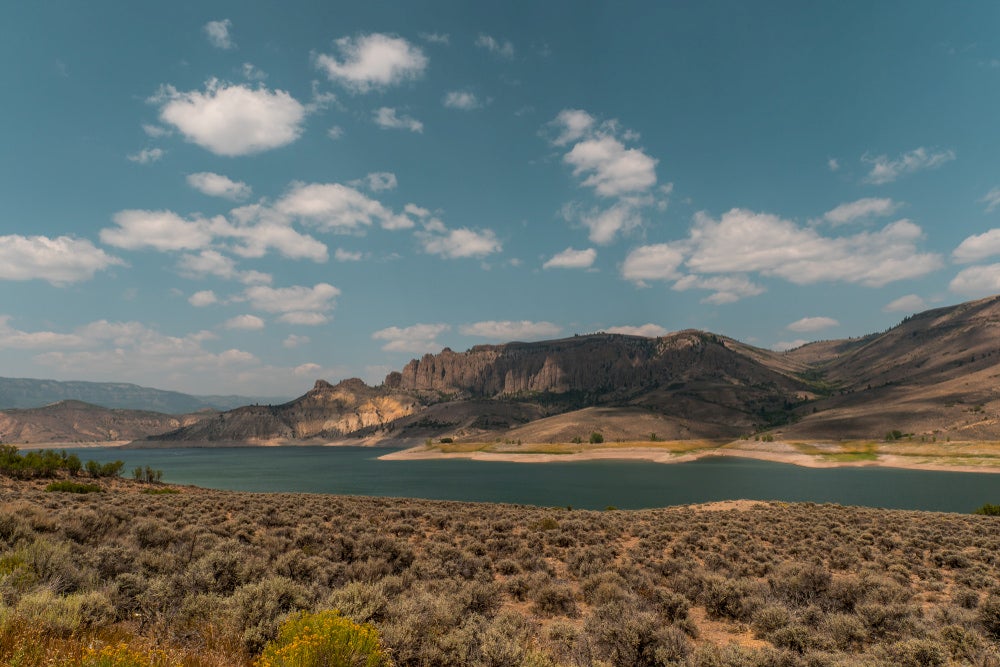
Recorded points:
(75,421)
(935,374)
(32,393)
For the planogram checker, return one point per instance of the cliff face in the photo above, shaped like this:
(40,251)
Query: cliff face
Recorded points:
(326,411)
(611,365)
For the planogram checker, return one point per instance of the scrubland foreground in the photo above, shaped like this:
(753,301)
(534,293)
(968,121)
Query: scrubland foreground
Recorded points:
(200,578)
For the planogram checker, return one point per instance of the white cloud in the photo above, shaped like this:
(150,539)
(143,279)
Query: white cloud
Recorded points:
(604,225)
(610,168)
(293,341)
(812,324)
(155,131)
(218,35)
(319,298)
(308,370)
(416,211)
(571,124)
(911,303)
(335,132)
(258,228)
(784,346)
(60,261)
(459,243)
(161,230)
(744,241)
(373,61)
(417,339)
(991,199)
(247,322)
(342,255)
(146,155)
(833,164)
(335,207)
(435,37)
(977,247)
(647,330)
(660,261)
(885,170)
(214,263)
(231,120)
(388,119)
(977,280)
(725,289)
(572,259)
(504,48)
(461,99)
(863,208)
(217,185)
(203,298)
(304,318)
(379,181)
(253,73)
(508,330)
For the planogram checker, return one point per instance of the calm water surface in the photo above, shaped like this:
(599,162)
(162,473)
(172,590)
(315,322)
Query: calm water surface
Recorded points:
(584,484)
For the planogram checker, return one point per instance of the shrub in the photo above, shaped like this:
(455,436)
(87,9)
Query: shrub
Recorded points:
(69,486)
(989,616)
(122,655)
(988,510)
(596,438)
(324,639)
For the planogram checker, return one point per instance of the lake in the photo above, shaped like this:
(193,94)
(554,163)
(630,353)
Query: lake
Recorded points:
(584,484)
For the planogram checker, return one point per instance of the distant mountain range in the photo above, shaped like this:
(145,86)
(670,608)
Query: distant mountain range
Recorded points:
(32,393)
(937,374)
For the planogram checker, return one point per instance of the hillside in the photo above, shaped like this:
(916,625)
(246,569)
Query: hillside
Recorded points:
(34,393)
(75,421)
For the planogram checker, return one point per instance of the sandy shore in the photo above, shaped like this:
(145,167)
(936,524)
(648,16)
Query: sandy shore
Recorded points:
(68,445)
(656,455)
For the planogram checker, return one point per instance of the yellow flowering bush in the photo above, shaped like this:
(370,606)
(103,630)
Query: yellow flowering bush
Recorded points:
(324,639)
(123,655)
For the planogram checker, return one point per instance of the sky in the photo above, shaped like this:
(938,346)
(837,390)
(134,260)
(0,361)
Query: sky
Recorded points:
(234,197)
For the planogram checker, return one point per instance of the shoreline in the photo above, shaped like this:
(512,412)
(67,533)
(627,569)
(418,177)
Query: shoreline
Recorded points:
(655,455)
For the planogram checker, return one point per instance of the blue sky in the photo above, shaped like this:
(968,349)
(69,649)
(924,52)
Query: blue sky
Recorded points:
(244,197)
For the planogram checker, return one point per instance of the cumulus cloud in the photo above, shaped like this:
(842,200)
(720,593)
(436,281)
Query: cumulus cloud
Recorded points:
(572,259)
(977,247)
(647,330)
(459,243)
(203,298)
(606,224)
(293,340)
(342,255)
(246,322)
(60,261)
(217,185)
(869,207)
(252,73)
(725,289)
(218,35)
(660,261)
(911,303)
(378,181)
(373,61)
(297,304)
(334,207)
(812,324)
(214,263)
(160,230)
(416,339)
(146,155)
(886,170)
(389,119)
(833,164)
(610,168)
(155,131)
(461,99)
(435,37)
(503,49)
(977,280)
(256,229)
(507,330)
(232,120)
(571,125)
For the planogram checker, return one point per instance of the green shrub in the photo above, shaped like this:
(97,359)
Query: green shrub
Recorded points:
(69,486)
(160,492)
(596,438)
(324,639)
(988,510)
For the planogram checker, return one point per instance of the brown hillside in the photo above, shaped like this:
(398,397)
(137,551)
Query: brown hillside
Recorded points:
(75,421)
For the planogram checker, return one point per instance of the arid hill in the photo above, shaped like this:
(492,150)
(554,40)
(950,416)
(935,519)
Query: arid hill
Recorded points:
(937,374)
(76,421)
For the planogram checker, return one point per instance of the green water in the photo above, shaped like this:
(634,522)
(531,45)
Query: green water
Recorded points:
(589,484)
